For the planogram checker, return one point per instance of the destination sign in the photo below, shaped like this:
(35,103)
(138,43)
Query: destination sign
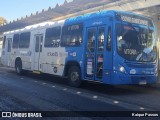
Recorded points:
(75,27)
(134,20)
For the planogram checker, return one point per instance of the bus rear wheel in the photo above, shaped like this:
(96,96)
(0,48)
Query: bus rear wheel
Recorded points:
(18,67)
(74,76)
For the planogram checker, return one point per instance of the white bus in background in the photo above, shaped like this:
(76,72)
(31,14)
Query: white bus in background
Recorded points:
(22,48)
(1,41)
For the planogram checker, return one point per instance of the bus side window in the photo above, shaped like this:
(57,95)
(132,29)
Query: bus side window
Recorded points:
(37,49)
(72,35)
(91,40)
(52,37)
(24,40)
(15,41)
(101,39)
(109,39)
(4,42)
(9,44)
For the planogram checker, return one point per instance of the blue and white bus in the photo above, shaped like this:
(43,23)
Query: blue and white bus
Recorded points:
(112,47)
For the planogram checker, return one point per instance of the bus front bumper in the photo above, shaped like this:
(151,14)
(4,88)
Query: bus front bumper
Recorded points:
(122,78)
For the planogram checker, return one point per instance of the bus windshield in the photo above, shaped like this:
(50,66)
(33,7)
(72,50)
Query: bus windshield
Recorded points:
(135,43)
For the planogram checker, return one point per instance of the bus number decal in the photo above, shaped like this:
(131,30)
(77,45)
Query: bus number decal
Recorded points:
(130,52)
(52,54)
(56,43)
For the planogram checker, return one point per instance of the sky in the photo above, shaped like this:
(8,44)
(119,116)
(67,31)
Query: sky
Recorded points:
(13,9)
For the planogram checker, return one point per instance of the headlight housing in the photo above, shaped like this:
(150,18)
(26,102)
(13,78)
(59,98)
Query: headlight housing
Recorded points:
(122,69)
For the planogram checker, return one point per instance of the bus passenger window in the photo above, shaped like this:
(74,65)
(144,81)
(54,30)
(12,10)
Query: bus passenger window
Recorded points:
(37,48)
(91,40)
(52,37)
(4,42)
(41,43)
(109,39)
(24,40)
(15,41)
(9,44)
(101,39)
(72,35)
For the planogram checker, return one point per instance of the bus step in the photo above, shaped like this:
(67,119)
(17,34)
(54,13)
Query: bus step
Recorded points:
(37,72)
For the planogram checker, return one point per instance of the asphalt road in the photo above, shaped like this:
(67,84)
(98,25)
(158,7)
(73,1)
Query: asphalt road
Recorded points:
(32,92)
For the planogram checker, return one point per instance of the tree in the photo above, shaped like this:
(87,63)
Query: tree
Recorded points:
(2,20)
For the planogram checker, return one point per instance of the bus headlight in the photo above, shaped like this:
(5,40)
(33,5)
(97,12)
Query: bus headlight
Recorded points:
(122,69)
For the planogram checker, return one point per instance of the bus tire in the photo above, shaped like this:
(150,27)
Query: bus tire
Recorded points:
(18,67)
(74,76)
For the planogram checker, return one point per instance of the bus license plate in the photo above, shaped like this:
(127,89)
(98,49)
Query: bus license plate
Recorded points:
(142,83)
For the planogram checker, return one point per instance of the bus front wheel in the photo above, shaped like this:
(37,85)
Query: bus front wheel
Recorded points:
(18,67)
(74,76)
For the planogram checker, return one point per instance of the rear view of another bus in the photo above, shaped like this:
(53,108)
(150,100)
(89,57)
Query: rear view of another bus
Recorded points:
(135,57)
(6,49)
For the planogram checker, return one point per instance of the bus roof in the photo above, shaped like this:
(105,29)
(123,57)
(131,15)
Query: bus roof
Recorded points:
(88,16)
(111,13)
(77,19)
(36,26)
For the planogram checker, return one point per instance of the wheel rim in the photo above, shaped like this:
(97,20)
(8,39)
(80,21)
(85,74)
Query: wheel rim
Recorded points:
(74,76)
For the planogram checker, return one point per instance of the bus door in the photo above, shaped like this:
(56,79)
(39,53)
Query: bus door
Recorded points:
(8,51)
(97,59)
(38,51)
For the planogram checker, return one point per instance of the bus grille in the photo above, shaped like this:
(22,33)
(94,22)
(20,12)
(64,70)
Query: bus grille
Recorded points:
(140,65)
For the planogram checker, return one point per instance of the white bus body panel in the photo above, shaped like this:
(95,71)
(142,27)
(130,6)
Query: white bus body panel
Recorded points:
(50,60)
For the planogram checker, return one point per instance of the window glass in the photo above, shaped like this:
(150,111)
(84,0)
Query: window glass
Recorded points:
(37,44)
(4,41)
(24,40)
(39,41)
(9,44)
(91,40)
(109,38)
(72,35)
(15,41)
(136,43)
(101,39)
(52,38)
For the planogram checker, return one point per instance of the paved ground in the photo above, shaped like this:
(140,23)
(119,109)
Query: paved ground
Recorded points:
(33,92)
